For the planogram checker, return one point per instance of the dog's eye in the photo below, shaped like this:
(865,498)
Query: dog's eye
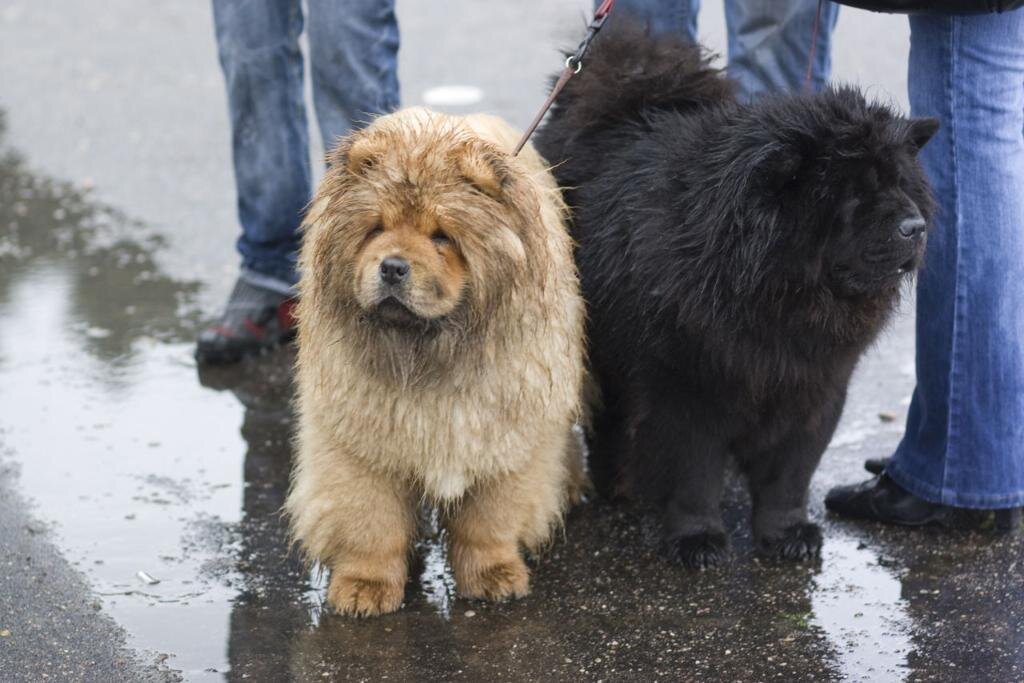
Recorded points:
(369,236)
(440,239)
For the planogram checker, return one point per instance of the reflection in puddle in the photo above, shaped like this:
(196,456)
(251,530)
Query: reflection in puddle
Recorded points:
(857,602)
(96,458)
(117,445)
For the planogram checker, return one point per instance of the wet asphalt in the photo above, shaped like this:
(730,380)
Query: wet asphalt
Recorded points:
(118,456)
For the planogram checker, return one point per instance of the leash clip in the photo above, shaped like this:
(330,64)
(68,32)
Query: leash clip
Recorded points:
(573,65)
(575,60)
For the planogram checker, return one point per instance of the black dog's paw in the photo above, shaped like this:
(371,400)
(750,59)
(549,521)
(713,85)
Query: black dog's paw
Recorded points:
(698,551)
(799,543)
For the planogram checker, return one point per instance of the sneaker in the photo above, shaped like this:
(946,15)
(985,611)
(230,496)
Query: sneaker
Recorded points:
(255,321)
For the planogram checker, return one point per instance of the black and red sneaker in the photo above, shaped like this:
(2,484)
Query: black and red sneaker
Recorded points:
(255,320)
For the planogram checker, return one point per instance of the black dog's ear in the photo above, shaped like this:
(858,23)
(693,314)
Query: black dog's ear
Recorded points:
(777,164)
(921,130)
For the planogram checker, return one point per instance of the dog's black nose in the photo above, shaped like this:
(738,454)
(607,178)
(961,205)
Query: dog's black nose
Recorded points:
(394,270)
(912,227)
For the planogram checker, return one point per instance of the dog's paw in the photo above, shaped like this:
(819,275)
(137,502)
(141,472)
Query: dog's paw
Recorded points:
(501,581)
(698,551)
(363,597)
(799,543)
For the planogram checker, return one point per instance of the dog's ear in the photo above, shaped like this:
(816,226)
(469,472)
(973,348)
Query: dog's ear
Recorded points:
(365,151)
(921,130)
(357,152)
(484,169)
(778,163)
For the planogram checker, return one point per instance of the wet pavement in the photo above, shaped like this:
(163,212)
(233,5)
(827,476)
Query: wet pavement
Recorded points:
(139,530)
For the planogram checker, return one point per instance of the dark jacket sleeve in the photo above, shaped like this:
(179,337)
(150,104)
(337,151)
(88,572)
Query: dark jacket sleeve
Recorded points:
(935,6)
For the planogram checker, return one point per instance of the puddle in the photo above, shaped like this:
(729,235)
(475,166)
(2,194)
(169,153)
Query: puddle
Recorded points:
(857,603)
(136,468)
(436,579)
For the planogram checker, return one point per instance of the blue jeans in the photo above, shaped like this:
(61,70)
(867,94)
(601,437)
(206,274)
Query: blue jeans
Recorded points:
(769,40)
(964,441)
(353,58)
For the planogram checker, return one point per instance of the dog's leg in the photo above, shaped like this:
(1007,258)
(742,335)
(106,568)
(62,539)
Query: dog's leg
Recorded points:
(779,479)
(604,428)
(675,460)
(360,524)
(497,518)
(607,444)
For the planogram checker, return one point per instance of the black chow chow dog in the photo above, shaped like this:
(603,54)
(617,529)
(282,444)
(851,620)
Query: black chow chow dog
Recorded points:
(737,259)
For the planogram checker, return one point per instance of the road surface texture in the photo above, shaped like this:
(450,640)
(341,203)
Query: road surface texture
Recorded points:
(139,533)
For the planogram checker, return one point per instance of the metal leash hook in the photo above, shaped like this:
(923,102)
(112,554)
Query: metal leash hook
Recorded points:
(573,65)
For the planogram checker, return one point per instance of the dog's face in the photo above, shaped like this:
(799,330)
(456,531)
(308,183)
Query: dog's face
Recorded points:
(864,206)
(409,269)
(881,224)
(423,224)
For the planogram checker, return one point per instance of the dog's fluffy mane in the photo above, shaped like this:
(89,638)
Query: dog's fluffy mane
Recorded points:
(628,75)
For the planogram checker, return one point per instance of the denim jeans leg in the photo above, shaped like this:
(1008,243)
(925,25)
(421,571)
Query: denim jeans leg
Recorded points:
(770,44)
(964,440)
(660,16)
(354,62)
(258,45)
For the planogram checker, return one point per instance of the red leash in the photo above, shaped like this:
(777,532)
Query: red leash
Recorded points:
(573,65)
(814,47)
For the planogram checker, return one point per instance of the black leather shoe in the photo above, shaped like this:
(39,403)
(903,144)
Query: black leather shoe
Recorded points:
(882,500)
(1009,520)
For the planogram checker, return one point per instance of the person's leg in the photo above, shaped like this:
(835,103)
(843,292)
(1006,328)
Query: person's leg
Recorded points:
(964,442)
(964,439)
(770,44)
(354,62)
(258,45)
(660,16)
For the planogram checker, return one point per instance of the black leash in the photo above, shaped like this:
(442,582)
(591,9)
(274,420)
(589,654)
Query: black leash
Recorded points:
(573,65)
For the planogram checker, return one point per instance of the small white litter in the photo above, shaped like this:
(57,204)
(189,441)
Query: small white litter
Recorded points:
(146,578)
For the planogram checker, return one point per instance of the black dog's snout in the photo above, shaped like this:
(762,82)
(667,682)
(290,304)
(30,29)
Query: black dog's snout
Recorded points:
(912,227)
(394,270)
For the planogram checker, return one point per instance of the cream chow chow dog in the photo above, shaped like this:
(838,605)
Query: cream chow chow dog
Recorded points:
(440,358)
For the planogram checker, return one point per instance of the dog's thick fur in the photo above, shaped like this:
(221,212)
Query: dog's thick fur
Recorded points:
(736,260)
(458,387)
